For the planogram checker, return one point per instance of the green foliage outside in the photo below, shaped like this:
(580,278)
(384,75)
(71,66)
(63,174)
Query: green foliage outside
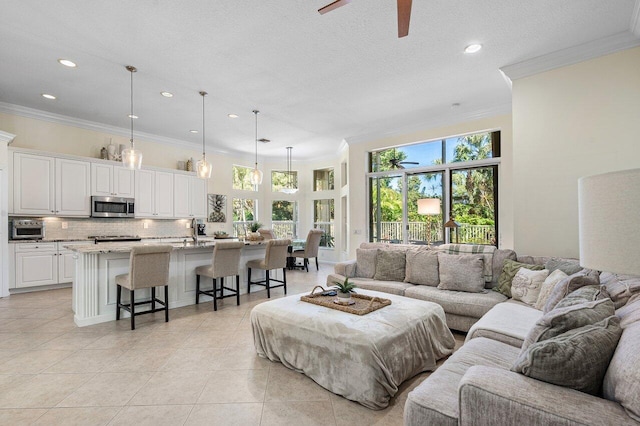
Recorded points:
(280,180)
(241,178)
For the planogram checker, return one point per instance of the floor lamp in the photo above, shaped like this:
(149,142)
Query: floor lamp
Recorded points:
(429,207)
(609,221)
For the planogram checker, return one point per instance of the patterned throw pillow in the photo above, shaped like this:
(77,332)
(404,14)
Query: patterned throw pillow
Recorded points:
(390,265)
(547,287)
(509,270)
(526,285)
(569,284)
(461,272)
(577,359)
(588,293)
(422,267)
(366,262)
(569,267)
(620,287)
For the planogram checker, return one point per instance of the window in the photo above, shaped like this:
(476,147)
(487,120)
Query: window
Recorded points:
(280,180)
(460,172)
(241,178)
(284,218)
(323,180)
(323,216)
(244,214)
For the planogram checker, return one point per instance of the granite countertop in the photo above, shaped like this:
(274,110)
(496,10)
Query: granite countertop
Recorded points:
(126,247)
(51,240)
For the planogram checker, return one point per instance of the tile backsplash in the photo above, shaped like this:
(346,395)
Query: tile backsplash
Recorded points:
(82,228)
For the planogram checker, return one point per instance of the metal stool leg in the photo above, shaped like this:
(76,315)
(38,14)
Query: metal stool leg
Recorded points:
(118,301)
(238,290)
(166,303)
(153,298)
(197,289)
(284,280)
(268,287)
(133,309)
(215,297)
(249,281)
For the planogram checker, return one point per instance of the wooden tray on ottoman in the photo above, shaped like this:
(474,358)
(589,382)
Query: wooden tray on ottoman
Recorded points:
(363,304)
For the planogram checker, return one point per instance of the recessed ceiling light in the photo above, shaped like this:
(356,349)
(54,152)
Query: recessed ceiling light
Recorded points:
(232,115)
(48,96)
(132,116)
(167,94)
(472,48)
(193,131)
(67,63)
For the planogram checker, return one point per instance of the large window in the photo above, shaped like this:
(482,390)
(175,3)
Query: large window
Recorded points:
(241,178)
(452,178)
(281,180)
(244,214)
(284,218)
(323,217)
(323,180)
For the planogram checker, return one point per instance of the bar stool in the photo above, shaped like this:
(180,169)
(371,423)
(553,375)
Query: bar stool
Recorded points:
(148,268)
(224,263)
(310,248)
(266,234)
(274,258)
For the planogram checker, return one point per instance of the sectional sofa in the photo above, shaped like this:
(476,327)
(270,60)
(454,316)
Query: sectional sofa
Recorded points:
(491,379)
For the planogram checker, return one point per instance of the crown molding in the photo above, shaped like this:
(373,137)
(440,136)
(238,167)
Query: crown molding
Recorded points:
(90,125)
(573,55)
(6,137)
(434,121)
(635,20)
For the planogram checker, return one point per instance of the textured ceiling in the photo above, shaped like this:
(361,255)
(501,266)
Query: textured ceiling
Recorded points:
(317,79)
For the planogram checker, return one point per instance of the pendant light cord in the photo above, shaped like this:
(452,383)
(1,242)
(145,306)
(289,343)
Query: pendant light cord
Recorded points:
(255,112)
(203,94)
(131,70)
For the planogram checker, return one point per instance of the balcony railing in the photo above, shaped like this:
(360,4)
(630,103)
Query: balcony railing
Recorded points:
(419,231)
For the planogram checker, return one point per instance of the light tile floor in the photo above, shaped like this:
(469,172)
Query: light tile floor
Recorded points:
(199,368)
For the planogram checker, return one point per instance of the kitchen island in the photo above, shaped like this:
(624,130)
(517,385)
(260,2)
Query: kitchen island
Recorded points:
(94,285)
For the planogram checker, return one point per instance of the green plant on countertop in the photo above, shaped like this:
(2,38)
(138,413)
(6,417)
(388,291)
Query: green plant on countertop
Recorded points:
(255,226)
(345,287)
(220,233)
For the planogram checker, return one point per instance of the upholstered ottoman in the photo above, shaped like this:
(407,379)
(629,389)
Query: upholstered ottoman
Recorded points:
(363,358)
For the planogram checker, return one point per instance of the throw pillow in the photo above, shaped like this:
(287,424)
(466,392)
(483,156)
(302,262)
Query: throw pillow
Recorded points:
(623,376)
(390,265)
(577,359)
(422,267)
(588,293)
(366,262)
(461,272)
(526,285)
(547,286)
(569,267)
(561,320)
(569,284)
(620,287)
(509,270)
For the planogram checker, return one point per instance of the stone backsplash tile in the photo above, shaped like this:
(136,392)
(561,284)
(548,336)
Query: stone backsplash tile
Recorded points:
(82,228)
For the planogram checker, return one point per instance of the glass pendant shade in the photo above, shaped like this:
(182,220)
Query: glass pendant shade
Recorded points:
(203,168)
(255,176)
(289,189)
(132,158)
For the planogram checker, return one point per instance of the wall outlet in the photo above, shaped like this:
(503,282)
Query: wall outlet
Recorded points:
(188,225)
(145,225)
(357,231)
(65,225)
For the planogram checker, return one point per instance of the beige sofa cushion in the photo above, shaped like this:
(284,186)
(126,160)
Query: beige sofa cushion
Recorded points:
(622,381)
(390,265)
(457,302)
(569,284)
(366,262)
(422,267)
(461,272)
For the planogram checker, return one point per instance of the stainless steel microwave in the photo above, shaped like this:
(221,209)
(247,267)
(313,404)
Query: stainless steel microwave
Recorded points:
(112,207)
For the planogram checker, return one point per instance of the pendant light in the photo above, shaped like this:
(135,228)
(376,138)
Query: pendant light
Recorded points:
(203,167)
(131,157)
(255,176)
(289,189)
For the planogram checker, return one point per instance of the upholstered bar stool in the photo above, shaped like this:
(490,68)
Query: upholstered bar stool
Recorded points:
(275,258)
(310,248)
(226,256)
(148,268)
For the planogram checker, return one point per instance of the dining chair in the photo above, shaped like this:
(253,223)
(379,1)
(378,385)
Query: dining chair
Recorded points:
(310,248)
(224,263)
(275,258)
(148,268)
(267,234)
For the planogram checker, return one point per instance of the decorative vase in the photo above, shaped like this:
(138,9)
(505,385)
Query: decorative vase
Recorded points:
(190,165)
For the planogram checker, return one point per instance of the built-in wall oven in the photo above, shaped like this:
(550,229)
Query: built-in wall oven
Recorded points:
(112,207)
(26,229)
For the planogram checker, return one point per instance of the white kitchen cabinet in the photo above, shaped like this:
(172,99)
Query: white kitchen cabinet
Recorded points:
(50,186)
(189,196)
(154,194)
(36,264)
(112,181)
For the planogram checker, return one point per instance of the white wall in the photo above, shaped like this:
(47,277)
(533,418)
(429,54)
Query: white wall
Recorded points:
(570,122)
(358,210)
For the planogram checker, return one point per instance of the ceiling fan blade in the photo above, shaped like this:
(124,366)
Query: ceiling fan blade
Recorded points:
(404,16)
(409,162)
(333,5)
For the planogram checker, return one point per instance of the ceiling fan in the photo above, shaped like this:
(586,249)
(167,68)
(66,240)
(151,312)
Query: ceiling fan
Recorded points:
(396,163)
(404,13)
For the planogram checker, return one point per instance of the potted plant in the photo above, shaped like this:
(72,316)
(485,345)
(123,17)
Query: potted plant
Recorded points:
(254,234)
(220,234)
(344,291)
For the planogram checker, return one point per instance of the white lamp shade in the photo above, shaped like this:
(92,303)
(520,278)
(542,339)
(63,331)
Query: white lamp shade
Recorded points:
(203,168)
(430,206)
(255,176)
(132,158)
(609,221)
